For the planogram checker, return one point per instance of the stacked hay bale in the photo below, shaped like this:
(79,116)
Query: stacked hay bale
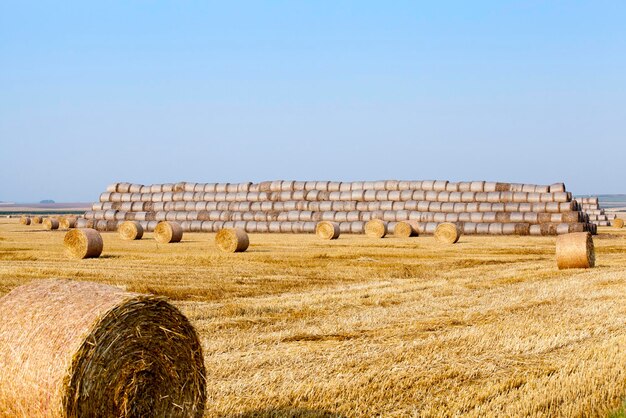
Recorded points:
(594,214)
(477,207)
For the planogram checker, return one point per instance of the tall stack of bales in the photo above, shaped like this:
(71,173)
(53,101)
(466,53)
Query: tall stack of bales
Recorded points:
(476,207)
(594,214)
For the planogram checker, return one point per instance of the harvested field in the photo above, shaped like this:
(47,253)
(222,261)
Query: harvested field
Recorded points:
(297,326)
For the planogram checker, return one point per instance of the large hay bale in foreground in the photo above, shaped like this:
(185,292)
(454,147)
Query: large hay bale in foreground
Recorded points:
(575,250)
(618,223)
(50,224)
(448,233)
(406,229)
(81,349)
(168,232)
(130,230)
(327,230)
(376,228)
(83,243)
(232,240)
(25,220)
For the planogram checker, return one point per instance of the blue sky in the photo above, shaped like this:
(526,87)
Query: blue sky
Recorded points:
(152,92)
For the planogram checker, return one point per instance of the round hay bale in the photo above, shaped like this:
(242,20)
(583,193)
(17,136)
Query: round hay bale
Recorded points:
(448,233)
(83,243)
(81,349)
(36,219)
(25,220)
(575,250)
(376,228)
(327,230)
(130,230)
(232,240)
(67,222)
(406,229)
(167,232)
(618,223)
(50,223)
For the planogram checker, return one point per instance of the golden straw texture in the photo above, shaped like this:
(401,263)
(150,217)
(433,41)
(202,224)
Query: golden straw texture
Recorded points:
(232,240)
(67,222)
(448,233)
(168,232)
(617,223)
(405,229)
(376,228)
(130,230)
(25,220)
(50,223)
(80,349)
(327,230)
(575,250)
(83,243)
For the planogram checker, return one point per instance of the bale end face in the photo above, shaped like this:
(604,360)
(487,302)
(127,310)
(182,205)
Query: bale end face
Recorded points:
(575,250)
(36,219)
(232,240)
(115,354)
(447,233)
(50,224)
(25,220)
(327,230)
(83,243)
(130,230)
(404,229)
(168,232)
(618,223)
(376,228)
(67,222)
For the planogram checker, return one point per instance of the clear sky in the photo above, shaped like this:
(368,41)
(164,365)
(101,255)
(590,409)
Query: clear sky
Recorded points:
(149,92)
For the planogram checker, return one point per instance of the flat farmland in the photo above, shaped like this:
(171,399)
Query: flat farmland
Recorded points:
(297,326)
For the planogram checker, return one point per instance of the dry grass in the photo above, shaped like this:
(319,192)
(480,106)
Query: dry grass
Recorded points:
(296,326)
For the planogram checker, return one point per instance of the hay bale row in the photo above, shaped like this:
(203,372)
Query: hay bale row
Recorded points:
(355,195)
(80,349)
(334,216)
(331,186)
(468,228)
(338,206)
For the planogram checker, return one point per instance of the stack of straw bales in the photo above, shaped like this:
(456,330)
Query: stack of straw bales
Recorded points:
(477,207)
(594,214)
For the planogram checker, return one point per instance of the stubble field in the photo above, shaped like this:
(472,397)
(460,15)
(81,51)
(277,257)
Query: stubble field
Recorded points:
(297,326)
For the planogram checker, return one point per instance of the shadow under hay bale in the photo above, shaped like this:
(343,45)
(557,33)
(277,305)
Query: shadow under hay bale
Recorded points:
(80,349)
